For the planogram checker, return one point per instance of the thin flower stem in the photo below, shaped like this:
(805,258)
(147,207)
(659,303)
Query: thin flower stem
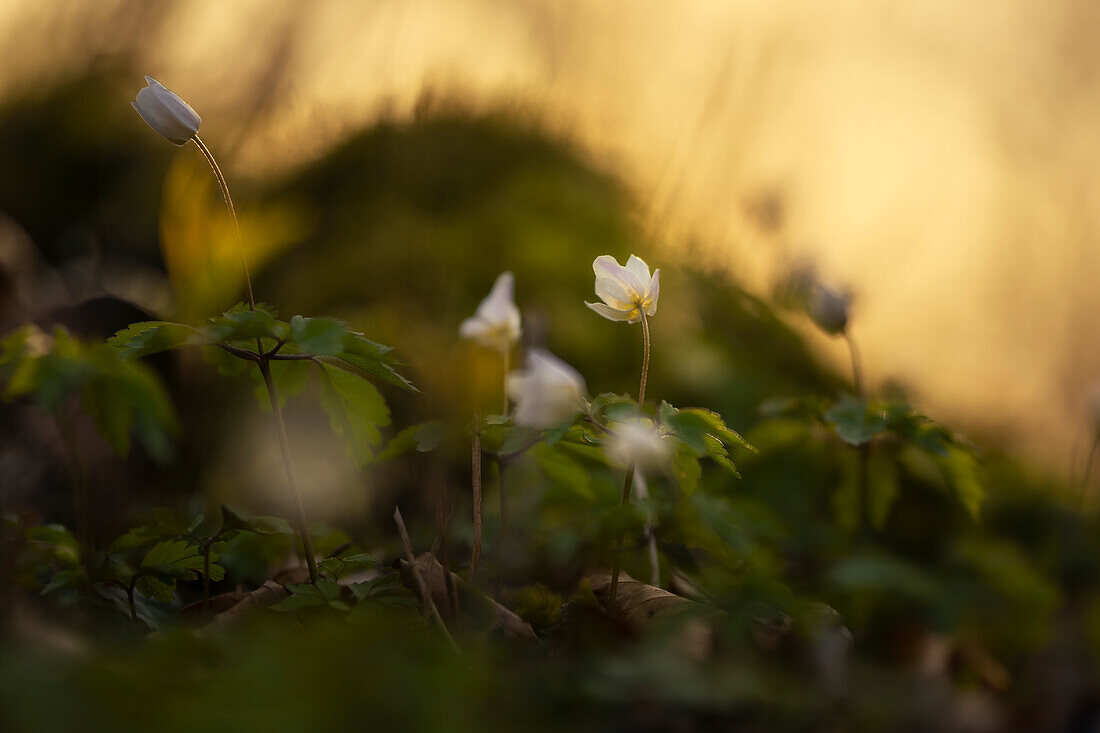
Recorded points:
(504,380)
(645,357)
(857,368)
(475,478)
(232,214)
(627,484)
(284,445)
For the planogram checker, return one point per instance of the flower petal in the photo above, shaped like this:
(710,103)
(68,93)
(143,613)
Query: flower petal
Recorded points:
(611,314)
(638,269)
(654,293)
(614,294)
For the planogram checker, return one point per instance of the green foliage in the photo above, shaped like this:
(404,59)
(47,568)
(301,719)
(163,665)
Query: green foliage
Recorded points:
(338,567)
(124,399)
(356,410)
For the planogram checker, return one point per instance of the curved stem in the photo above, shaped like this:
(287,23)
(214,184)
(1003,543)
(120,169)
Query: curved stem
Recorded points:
(284,445)
(645,357)
(857,368)
(504,380)
(232,214)
(627,484)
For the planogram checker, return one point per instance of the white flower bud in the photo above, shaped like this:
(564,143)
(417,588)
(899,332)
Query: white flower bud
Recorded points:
(625,291)
(496,323)
(547,392)
(165,112)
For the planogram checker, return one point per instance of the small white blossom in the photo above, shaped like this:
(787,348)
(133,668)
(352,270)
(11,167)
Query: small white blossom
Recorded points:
(547,392)
(625,291)
(496,323)
(164,111)
(637,442)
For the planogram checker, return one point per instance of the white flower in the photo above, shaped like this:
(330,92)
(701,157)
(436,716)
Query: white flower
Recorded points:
(625,291)
(496,323)
(547,392)
(165,112)
(637,442)
(829,309)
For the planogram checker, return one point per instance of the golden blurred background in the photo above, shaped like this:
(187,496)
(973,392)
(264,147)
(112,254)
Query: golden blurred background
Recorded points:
(937,157)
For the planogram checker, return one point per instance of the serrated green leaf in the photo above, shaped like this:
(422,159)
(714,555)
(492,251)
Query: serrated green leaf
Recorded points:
(241,324)
(151,337)
(319,336)
(356,410)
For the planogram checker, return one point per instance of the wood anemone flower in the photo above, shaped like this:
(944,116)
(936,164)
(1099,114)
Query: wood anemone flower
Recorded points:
(164,111)
(547,392)
(627,292)
(496,323)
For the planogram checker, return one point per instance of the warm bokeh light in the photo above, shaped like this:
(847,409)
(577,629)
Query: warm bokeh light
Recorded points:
(938,158)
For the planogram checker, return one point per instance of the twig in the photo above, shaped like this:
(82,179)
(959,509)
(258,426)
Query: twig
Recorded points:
(475,479)
(425,596)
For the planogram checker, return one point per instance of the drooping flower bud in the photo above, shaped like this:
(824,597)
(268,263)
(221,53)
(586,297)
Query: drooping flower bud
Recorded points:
(164,111)
(828,309)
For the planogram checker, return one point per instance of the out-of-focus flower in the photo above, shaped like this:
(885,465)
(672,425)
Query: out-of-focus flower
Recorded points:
(164,111)
(496,323)
(828,309)
(547,392)
(625,291)
(637,442)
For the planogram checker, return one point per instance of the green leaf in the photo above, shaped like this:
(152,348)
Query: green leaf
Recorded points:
(338,567)
(179,559)
(304,595)
(241,324)
(964,477)
(259,525)
(356,410)
(854,421)
(518,439)
(372,359)
(159,588)
(67,578)
(424,438)
(164,524)
(151,337)
(319,336)
(290,378)
(685,465)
